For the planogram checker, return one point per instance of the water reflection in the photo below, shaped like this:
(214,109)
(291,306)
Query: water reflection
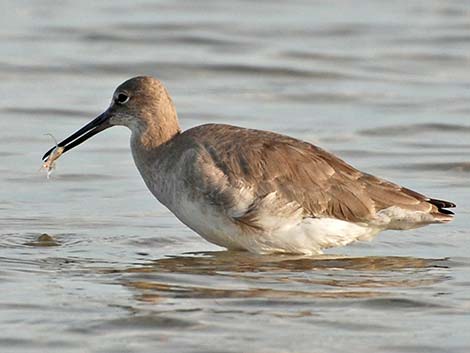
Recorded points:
(225,274)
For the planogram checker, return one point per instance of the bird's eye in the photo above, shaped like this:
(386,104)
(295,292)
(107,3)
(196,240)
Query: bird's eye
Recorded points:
(122,98)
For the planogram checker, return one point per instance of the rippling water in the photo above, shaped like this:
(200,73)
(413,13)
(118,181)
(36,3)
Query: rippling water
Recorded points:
(383,84)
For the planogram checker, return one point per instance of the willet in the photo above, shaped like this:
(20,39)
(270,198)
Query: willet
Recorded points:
(251,189)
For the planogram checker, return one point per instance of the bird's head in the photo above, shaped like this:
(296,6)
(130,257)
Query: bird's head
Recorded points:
(143,105)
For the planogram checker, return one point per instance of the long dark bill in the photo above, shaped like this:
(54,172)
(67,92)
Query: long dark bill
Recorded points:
(98,124)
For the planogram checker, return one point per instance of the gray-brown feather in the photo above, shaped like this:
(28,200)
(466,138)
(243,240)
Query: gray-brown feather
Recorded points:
(302,176)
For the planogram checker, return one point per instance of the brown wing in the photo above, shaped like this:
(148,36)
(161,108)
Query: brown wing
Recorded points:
(299,173)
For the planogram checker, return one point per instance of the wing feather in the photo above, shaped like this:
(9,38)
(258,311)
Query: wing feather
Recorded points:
(247,168)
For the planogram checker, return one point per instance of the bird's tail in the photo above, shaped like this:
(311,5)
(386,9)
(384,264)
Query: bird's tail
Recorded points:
(442,214)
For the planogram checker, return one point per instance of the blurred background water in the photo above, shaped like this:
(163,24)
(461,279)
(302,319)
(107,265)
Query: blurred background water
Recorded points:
(385,85)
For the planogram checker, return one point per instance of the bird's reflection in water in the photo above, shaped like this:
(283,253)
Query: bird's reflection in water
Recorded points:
(228,274)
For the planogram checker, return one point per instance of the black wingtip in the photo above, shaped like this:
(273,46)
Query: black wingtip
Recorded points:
(442,205)
(445,211)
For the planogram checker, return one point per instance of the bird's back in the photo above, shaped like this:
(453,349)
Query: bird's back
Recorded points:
(321,184)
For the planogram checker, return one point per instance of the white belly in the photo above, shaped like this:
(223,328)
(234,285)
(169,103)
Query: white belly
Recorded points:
(301,236)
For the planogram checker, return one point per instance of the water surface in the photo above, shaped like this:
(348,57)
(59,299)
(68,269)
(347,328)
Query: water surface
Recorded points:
(384,85)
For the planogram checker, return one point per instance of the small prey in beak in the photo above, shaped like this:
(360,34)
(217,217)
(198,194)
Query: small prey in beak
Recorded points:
(56,152)
(92,128)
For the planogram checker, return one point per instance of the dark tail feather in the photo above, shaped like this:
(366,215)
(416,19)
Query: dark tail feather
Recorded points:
(442,205)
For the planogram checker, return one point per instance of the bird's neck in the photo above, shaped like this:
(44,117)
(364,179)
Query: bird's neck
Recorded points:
(158,133)
(161,124)
(149,141)
(151,148)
